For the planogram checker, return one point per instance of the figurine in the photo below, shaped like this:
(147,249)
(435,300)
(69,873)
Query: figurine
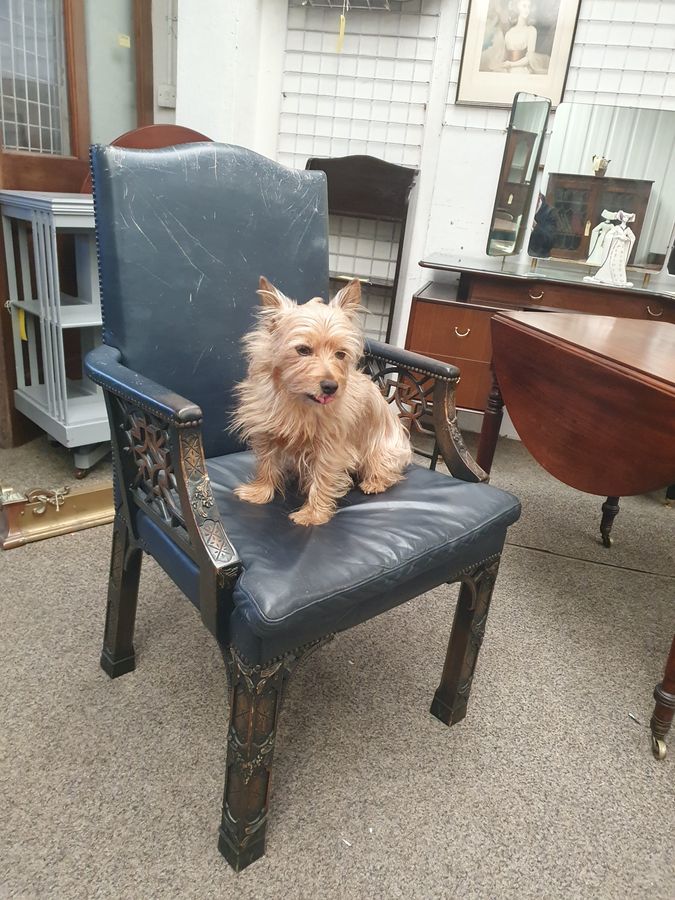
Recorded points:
(600,164)
(597,249)
(618,244)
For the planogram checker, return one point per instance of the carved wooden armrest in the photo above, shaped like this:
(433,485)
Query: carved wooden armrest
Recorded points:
(160,466)
(423,390)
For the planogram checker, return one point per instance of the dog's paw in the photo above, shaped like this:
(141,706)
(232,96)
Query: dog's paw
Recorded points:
(375,485)
(308,516)
(254,492)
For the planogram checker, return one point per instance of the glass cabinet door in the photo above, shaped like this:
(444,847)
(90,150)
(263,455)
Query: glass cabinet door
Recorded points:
(572,206)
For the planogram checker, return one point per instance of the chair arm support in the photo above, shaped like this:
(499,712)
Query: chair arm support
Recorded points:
(424,389)
(414,362)
(104,367)
(160,469)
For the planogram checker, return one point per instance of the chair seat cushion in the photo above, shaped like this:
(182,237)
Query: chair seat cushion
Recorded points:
(300,583)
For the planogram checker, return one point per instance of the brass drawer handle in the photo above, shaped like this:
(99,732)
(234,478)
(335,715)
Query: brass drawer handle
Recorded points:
(462,333)
(655,314)
(535,296)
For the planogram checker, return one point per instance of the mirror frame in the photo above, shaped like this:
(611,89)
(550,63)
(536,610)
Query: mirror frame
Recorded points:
(527,205)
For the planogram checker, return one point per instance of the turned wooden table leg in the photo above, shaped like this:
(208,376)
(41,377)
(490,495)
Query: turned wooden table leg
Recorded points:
(664,694)
(489,433)
(610,510)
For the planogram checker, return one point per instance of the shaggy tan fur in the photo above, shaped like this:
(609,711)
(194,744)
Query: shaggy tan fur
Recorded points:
(307,412)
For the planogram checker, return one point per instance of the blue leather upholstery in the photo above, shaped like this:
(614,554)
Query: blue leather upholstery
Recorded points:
(378,551)
(184,234)
(400,543)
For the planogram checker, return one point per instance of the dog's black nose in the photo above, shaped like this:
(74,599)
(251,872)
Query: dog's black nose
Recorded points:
(328,387)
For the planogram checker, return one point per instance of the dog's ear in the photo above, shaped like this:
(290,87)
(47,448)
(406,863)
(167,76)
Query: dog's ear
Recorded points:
(349,297)
(270,296)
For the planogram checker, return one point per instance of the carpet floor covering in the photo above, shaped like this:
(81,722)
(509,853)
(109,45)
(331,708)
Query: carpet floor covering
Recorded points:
(548,789)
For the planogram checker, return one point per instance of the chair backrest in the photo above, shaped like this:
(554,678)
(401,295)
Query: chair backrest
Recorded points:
(184,234)
(151,137)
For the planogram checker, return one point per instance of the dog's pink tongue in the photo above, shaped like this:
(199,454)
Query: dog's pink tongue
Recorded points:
(326,398)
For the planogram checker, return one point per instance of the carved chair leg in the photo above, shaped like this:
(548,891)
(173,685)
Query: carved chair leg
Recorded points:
(451,698)
(256,695)
(117,657)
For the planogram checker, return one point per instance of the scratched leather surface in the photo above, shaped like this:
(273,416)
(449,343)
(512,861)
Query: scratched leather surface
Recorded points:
(184,234)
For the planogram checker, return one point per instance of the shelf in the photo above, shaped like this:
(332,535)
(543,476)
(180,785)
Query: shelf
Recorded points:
(74,313)
(87,419)
(384,283)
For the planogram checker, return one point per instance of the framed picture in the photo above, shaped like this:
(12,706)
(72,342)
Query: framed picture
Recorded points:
(516,45)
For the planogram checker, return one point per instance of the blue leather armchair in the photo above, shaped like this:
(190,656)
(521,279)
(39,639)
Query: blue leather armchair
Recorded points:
(183,235)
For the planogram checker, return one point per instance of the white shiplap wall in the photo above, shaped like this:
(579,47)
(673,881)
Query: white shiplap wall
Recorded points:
(374,98)
(370,98)
(623,54)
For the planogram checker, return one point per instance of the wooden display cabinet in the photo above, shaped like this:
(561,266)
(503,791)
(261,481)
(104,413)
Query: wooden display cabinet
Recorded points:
(579,201)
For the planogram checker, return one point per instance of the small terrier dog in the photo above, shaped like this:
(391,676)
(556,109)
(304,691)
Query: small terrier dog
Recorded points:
(308,413)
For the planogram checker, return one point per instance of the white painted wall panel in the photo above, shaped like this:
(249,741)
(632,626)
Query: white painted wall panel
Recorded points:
(623,54)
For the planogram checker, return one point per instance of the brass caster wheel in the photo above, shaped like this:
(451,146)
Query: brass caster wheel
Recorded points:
(658,748)
(80,473)
(607,540)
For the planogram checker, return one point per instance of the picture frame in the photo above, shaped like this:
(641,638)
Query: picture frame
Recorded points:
(516,45)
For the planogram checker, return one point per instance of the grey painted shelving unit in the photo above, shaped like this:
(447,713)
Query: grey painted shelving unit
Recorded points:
(70,410)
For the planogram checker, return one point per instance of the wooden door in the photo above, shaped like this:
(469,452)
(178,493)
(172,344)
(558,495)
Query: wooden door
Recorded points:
(45,128)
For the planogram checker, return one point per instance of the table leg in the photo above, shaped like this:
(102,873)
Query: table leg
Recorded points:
(670,495)
(610,510)
(664,694)
(489,433)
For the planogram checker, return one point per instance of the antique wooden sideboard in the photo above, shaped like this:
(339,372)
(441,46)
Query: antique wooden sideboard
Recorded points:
(451,321)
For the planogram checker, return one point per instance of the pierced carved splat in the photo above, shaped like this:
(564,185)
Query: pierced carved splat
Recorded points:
(146,440)
(411,392)
(426,405)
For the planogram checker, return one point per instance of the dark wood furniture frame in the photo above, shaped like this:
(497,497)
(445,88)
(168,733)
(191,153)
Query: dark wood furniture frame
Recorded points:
(157,448)
(364,187)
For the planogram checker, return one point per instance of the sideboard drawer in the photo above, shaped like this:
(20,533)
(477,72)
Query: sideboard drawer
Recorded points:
(475,381)
(504,291)
(450,330)
(530,294)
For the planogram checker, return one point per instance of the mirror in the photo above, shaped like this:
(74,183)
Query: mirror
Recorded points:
(524,138)
(602,160)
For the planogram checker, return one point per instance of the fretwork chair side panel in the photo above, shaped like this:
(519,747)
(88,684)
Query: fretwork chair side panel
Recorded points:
(410,393)
(184,234)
